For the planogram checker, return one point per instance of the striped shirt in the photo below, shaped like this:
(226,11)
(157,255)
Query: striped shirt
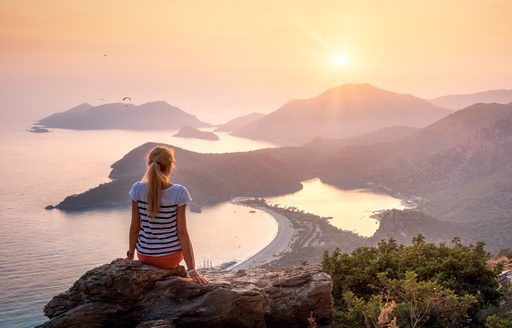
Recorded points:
(158,236)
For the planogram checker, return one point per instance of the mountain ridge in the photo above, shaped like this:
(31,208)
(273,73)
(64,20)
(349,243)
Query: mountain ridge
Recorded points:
(238,122)
(458,101)
(453,175)
(341,112)
(148,116)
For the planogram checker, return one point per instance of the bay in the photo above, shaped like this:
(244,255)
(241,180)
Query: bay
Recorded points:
(348,209)
(44,252)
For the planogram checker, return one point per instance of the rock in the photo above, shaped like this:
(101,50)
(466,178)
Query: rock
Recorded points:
(130,294)
(190,132)
(156,324)
(38,129)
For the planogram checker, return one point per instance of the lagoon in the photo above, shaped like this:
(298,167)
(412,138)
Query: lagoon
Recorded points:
(349,209)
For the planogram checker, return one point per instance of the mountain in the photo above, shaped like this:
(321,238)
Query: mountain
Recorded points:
(403,225)
(73,113)
(455,102)
(210,178)
(155,115)
(341,112)
(456,169)
(388,134)
(238,122)
(190,132)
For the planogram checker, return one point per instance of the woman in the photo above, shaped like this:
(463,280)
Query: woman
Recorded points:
(158,229)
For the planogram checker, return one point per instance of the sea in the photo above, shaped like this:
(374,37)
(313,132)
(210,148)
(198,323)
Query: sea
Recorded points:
(44,251)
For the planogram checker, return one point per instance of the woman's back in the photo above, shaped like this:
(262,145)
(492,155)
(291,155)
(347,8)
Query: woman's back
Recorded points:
(158,235)
(158,229)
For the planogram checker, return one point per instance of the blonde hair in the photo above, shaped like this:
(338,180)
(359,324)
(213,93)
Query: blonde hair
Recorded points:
(159,160)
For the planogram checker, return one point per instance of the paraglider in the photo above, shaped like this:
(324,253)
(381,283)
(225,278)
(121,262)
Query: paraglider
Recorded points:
(126,99)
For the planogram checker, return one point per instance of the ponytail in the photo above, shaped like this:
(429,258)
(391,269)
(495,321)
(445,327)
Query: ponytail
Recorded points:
(159,159)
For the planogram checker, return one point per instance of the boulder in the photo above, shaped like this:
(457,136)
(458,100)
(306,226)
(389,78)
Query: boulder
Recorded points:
(128,293)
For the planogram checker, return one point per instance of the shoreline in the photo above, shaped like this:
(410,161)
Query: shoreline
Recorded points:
(281,243)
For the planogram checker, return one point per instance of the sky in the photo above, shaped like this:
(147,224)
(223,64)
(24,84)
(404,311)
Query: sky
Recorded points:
(222,59)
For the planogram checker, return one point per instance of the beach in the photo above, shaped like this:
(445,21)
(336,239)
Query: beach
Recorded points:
(281,243)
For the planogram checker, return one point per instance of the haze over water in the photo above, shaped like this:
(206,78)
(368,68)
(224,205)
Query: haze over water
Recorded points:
(43,252)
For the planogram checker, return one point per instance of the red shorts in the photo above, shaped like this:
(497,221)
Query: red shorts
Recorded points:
(165,262)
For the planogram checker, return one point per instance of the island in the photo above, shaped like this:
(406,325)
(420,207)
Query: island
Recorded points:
(190,132)
(38,129)
(155,115)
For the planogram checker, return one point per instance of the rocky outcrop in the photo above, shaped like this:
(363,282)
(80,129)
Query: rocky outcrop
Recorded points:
(38,129)
(190,132)
(129,294)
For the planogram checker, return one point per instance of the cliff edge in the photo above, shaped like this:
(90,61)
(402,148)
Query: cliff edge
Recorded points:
(130,294)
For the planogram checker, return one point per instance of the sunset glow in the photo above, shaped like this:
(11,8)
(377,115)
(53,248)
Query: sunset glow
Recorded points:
(220,61)
(340,60)
(351,155)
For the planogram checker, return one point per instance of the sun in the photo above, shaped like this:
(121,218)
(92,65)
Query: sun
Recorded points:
(340,60)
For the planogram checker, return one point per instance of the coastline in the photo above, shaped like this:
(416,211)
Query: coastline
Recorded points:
(281,242)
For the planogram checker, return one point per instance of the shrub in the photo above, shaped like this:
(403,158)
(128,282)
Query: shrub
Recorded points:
(459,274)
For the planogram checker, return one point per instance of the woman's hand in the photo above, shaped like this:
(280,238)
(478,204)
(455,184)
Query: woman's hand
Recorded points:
(129,255)
(196,276)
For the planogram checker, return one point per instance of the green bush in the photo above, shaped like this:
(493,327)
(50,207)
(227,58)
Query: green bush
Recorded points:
(493,321)
(500,316)
(459,271)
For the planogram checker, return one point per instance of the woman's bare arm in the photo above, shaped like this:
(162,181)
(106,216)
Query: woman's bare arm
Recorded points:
(186,246)
(134,229)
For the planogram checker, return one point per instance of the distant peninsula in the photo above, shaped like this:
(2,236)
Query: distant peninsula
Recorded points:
(156,115)
(190,132)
